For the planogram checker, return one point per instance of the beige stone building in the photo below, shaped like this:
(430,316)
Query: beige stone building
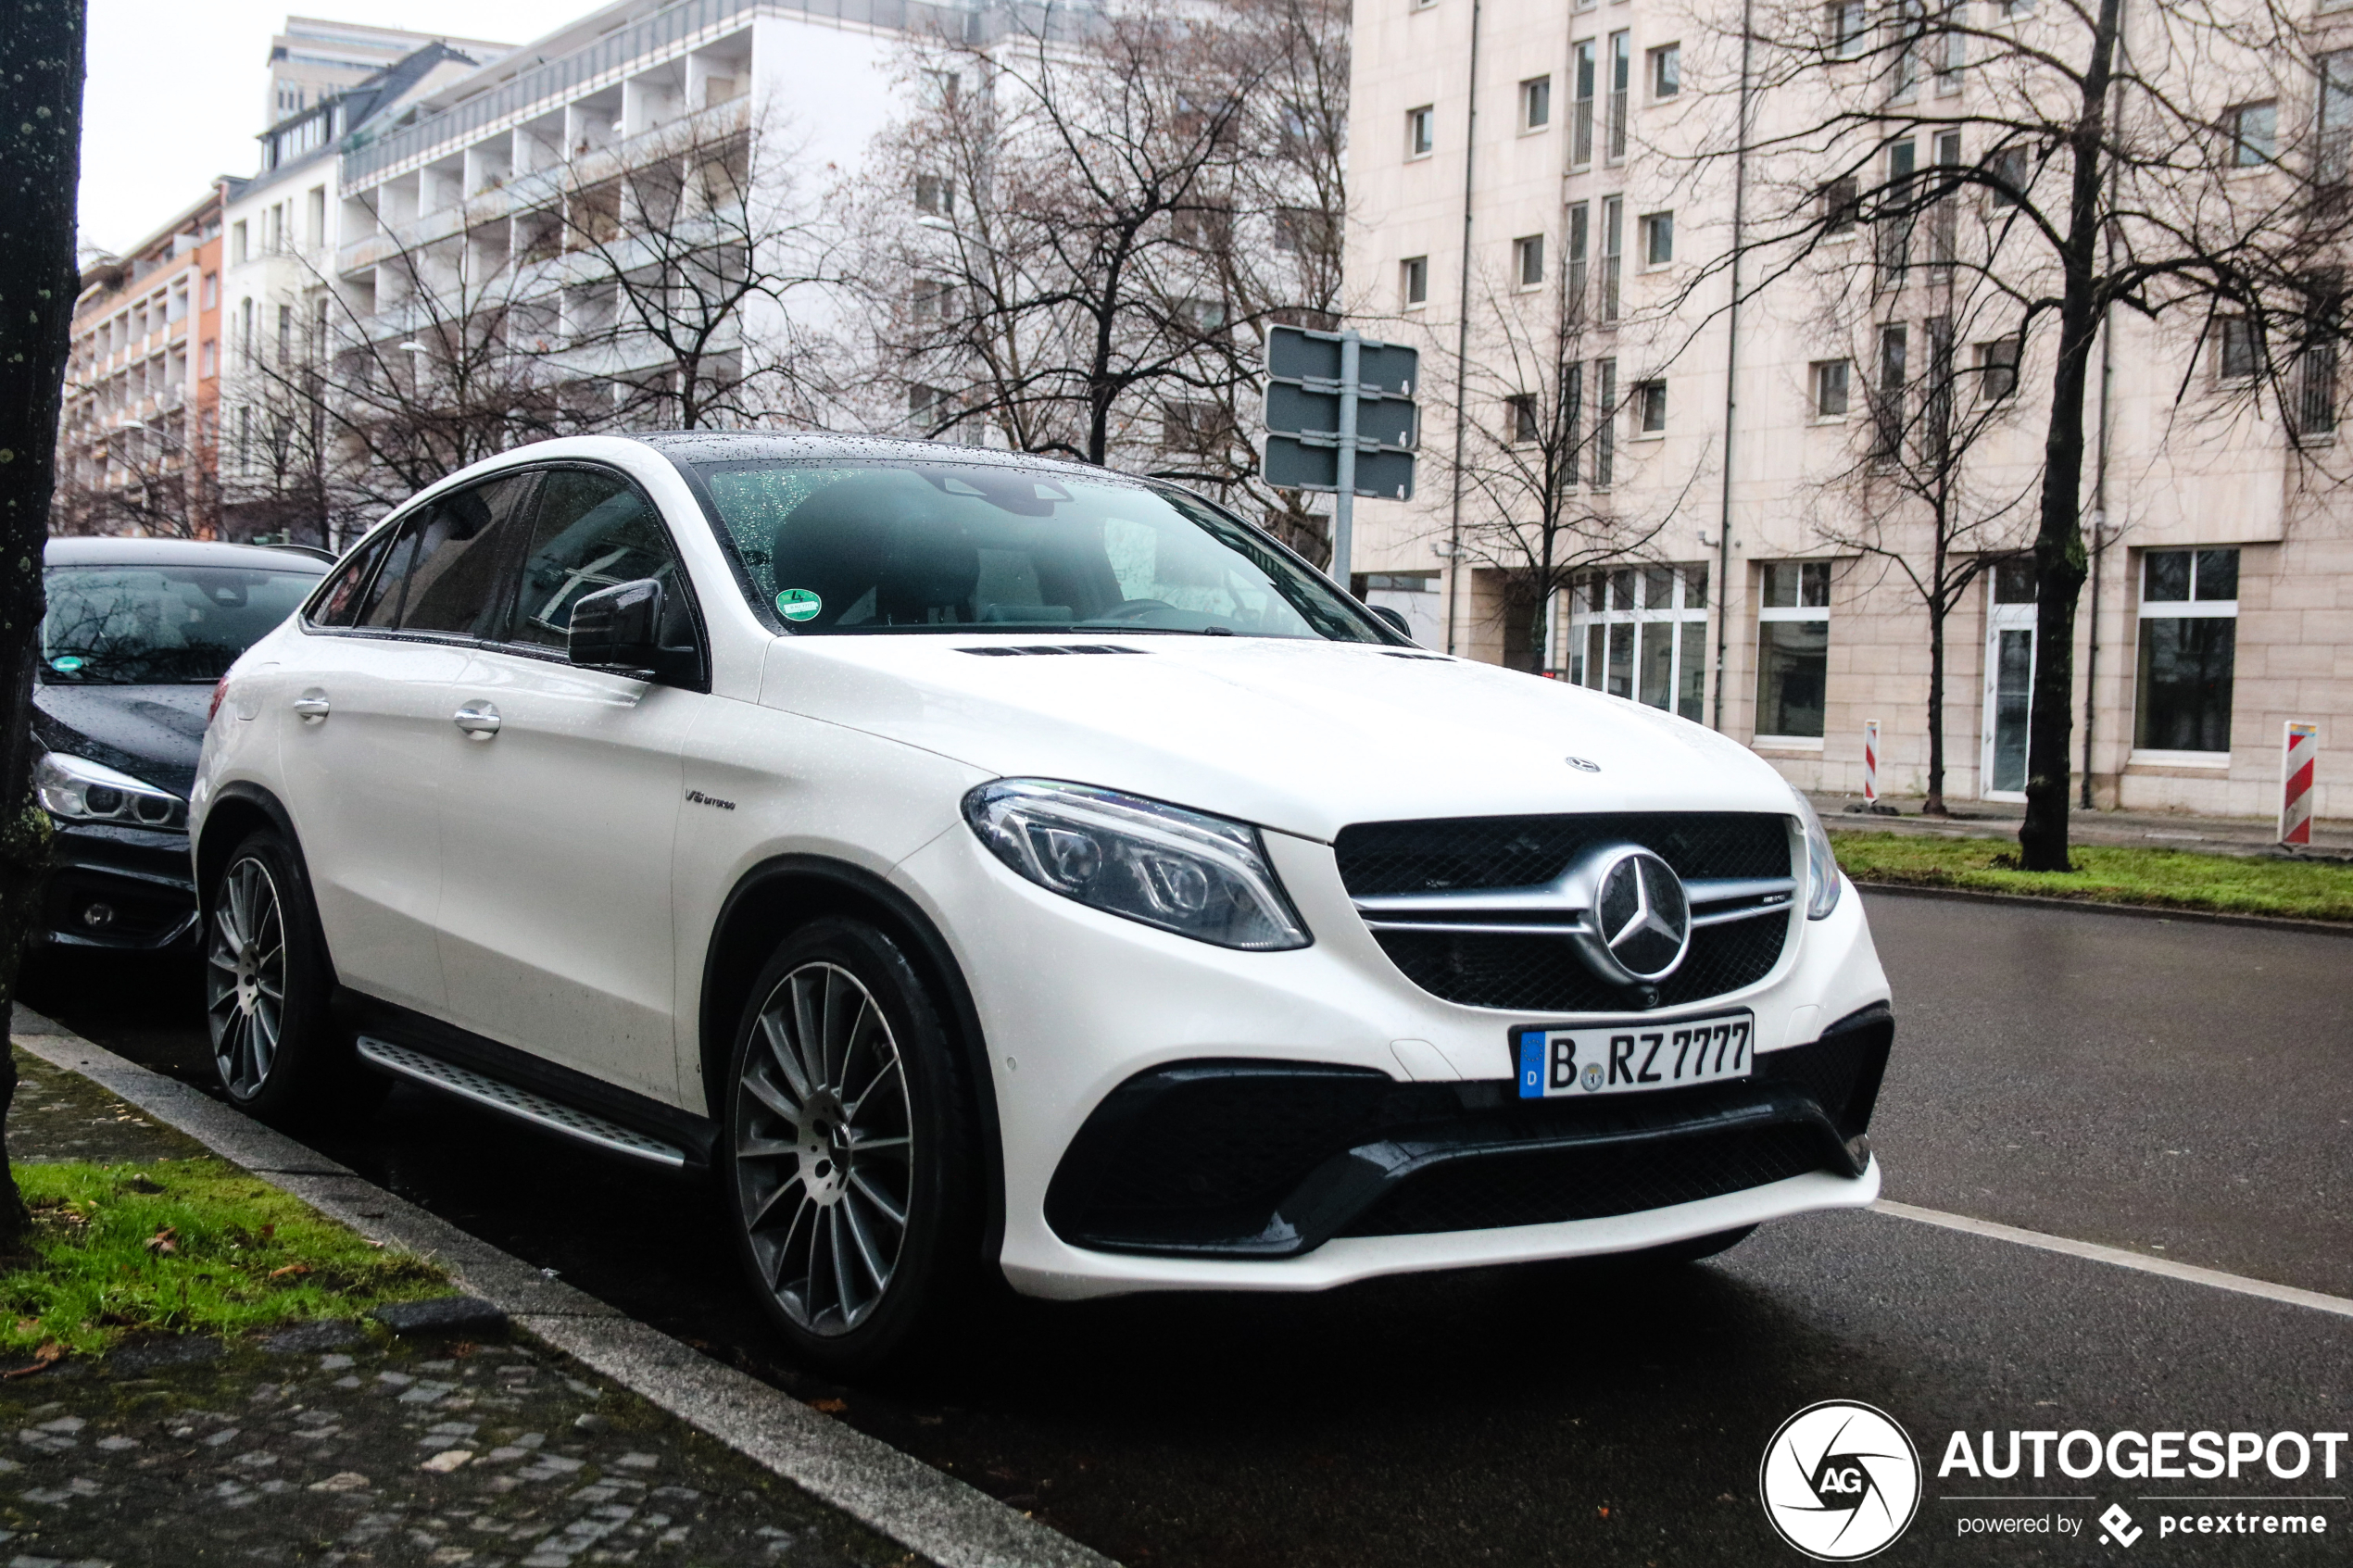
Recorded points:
(1774,602)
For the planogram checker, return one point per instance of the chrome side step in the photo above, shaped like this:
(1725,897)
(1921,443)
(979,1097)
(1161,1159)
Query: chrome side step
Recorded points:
(522,1104)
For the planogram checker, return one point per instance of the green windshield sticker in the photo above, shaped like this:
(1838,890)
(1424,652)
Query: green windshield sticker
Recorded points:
(67,664)
(798,603)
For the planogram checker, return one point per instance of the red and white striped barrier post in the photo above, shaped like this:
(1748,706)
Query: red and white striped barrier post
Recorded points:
(1870,762)
(2299,749)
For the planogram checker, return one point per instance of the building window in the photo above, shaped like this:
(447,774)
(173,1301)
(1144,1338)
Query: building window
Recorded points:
(1997,368)
(1830,377)
(936,193)
(2189,641)
(237,251)
(1665,71)
(1536,103)
(244,330)
(1641,633)
(1845,25)
(1581,150)
(1658,239)
(1895,230)
(211,295)
(2238,353)
(208,360)
(1527,260)
(1604,423)
(1888,401)
(1621,72)
(1841,203)
(1520,418)
(2333,158)
(2011,175)
(2254,133)
(1421,131)
(1581,215)
(1414,279)
(1792,650)
(1612,259)
(1650,408)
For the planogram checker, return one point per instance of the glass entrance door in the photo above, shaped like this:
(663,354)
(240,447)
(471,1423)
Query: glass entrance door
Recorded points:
(2009,685)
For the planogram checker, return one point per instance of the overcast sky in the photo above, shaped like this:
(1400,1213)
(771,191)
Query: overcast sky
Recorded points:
(177,91)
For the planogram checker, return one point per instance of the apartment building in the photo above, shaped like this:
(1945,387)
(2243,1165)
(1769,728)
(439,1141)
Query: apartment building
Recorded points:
(137,445)
(315,59)
(280,233)
(1589,183)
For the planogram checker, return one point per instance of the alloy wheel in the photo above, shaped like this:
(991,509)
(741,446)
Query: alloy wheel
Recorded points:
(245,977)
(825,1148)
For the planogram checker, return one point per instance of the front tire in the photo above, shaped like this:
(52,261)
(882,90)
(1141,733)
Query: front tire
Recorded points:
(848,1157)
(275,1047)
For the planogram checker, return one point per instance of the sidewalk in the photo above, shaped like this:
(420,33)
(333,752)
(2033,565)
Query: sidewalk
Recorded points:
(463,1443)
(1999,818)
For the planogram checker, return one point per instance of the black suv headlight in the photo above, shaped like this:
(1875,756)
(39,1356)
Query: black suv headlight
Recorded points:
(75,789)
(1187,872)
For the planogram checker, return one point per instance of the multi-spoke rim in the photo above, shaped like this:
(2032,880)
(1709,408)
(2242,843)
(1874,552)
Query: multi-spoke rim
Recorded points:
(825,1148)
(245,977)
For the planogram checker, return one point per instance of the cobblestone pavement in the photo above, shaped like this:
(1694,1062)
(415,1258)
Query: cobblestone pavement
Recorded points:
(331,1444)
(342,1442)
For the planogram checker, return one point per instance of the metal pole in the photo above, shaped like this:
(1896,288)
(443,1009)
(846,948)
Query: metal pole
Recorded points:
(1732,363)
(1462,338)
(1344,503)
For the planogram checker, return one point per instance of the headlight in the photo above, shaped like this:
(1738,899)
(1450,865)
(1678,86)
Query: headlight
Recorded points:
(1198,875)
(1821,866)
(79,790)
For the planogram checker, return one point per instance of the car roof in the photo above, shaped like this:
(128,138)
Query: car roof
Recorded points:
(756,445)
(178,552)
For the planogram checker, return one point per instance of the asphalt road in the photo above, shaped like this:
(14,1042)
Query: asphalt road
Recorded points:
(2178,1088)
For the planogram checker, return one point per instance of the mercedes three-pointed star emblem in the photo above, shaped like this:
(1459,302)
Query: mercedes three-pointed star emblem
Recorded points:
(1642,918)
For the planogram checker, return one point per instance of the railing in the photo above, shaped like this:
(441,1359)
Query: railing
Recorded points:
(965,21)
(1581,128)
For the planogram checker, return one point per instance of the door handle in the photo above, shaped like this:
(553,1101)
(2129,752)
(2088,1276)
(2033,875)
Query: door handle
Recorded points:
(311,706)
(479,719)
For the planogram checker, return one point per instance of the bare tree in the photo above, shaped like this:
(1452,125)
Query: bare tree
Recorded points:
(671,269)
(41,108)
(1076,241)
(1921,491)
(2116,164)
(1540,459)
(159,482)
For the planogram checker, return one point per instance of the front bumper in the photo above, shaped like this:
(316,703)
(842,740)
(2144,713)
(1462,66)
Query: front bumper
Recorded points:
(119,889)
(1414,1169)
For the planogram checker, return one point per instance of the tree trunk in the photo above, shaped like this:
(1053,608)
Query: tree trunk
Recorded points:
(2058,543)
(41,119)
(1934,805)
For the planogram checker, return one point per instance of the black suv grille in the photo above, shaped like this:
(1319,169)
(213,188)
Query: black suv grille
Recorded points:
(1543,974)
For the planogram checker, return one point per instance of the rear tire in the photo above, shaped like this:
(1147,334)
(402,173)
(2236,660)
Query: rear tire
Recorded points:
(275,1047)
(847,1151)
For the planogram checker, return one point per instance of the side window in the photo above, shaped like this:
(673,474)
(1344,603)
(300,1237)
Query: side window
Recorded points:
(381,608)
(593,531)
(460,555)
(338,602)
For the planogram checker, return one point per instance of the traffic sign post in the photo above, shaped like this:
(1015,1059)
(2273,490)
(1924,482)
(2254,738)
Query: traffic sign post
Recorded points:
(1339,417)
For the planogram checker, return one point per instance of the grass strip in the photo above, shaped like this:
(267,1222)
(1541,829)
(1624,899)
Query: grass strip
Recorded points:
(2180,879)
(197,1245)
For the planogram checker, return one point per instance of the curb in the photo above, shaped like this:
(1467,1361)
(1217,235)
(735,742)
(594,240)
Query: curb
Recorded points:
(943,1519)
(2136,911)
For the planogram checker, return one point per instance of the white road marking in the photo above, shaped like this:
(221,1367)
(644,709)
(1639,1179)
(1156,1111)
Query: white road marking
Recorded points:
(2317,1300)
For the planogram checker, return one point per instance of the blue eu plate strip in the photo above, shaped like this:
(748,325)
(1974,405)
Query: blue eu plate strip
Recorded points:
(1531,1064)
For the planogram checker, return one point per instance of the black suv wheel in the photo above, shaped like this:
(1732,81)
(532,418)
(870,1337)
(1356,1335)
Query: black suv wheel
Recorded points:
(847,1149)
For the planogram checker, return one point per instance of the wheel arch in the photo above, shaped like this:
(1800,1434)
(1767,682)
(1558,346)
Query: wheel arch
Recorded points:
(237,810)
(780,894)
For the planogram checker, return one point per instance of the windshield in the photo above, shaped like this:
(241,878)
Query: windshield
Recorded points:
(972,547)
(158,625)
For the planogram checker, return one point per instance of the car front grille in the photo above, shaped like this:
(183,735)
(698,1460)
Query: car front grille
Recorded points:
(1540,973)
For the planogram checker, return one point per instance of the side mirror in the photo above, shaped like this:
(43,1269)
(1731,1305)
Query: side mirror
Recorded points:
(617,628)
(1395,620)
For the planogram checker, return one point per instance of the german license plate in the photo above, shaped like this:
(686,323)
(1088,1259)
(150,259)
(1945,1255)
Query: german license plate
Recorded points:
(1629,1060)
